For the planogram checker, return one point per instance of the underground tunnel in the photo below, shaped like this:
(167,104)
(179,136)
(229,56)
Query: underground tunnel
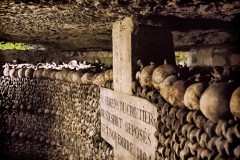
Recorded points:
(119,79)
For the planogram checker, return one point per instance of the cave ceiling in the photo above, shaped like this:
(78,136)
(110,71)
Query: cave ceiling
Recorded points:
(87,24)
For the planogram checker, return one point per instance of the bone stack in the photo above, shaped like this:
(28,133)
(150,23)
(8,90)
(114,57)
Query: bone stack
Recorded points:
(198,110)
(44,118)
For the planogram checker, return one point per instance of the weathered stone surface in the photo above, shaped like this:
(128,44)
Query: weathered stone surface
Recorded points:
(132,42)
(87,24)
(185,40)
(235,59)
(213,56)
(122,55)
(127,123)
(219,60)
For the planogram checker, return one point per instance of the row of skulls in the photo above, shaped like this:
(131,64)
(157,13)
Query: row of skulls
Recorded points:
(214,90)
(74,72)
(188,134)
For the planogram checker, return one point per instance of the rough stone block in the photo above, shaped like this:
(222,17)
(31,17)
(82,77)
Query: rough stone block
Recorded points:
(191,59)
(219,60)
(235,59)
(209,55)
(131,42)
(204,56)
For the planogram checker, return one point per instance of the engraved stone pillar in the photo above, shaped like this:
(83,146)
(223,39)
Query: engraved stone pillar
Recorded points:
(131,42)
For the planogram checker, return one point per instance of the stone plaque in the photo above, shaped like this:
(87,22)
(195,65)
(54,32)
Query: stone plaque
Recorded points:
(128,124)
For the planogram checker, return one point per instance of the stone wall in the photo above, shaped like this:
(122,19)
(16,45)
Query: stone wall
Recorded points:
(213,56)
(46,119)
(34,56)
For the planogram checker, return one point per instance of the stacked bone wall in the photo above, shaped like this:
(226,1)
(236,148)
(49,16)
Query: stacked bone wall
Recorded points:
(56,119)
(45,119)
(185,134)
